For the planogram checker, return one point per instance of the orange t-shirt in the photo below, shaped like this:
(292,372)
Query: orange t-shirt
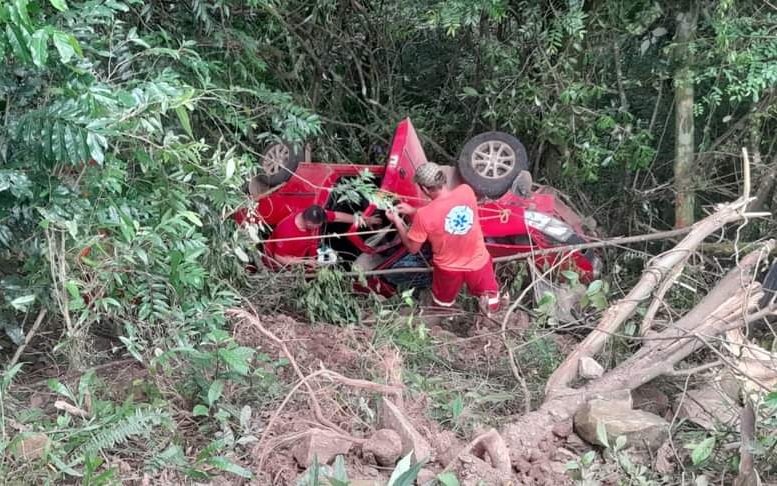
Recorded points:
(450,223)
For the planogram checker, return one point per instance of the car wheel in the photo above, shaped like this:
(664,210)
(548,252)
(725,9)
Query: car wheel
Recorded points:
(279,161)
(489,162)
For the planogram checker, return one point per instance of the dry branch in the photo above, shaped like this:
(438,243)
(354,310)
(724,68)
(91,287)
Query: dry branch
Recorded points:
(256,322)
(27,338)
(726,307)
(661,266)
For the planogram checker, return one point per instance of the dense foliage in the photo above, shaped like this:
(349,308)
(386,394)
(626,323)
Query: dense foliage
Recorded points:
(130,126)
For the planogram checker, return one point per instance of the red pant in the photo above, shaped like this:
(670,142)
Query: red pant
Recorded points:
(480,283)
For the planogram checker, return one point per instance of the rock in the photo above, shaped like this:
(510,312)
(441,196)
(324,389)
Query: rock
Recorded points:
(589,369)
(323,444)
(729,384)
(642,429)
(366,482)
(577,444)
(709,408)
(446,446)
(665,459)
(521,465)
(493,445)
(617,399)
(563,429)
(31,447)
(473,471)
(385,445)
(650,399)
(425,476)
(393,418)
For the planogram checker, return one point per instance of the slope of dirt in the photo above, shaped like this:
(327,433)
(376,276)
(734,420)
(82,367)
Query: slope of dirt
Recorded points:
(351,352)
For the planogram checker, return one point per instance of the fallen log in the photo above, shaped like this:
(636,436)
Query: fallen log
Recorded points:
(708,319)
(662,266)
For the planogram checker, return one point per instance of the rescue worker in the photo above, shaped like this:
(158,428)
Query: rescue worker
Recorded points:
(449,222)
(282,247)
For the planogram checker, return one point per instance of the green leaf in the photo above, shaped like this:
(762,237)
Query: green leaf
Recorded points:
(338,473)
(214,392)
(67,46)
(237,358)
(570,275)
(230,171)
(771,400)
(62,389)
(456,406)
(703,451)
(448,479)
(200,410)
(59,5)
(183,117)
(588,458)
(601,434)
(402,466)
(39,46)
(18,40)
(21,303)
(193,217)
(408,477)
(225,464)
(594,287)
(469,91)
(620,442)
(72,289)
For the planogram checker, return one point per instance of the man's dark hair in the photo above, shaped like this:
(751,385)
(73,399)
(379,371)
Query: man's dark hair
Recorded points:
(314,214)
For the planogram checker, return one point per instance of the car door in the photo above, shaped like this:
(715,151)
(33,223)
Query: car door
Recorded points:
(405,155)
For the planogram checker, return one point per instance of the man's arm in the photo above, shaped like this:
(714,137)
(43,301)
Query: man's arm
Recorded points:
(411,245)
(350,219)
(293,260)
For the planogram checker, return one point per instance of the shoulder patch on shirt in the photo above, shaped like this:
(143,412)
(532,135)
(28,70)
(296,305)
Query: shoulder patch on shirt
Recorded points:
(459,220)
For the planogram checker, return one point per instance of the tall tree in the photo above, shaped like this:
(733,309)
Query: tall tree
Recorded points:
(685,198)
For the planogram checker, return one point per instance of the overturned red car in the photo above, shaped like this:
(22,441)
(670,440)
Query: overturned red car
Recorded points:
(516,217)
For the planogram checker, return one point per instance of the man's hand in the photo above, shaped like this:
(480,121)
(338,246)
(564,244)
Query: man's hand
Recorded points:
(362,221)
(405,208)
(394,218)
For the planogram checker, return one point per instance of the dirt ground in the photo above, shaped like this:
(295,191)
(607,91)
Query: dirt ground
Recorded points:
(352,353)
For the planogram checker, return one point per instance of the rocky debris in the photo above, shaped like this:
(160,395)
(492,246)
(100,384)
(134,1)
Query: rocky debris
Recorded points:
(474,472)
(665,459)
(366,482)
(642,429)
(729,384)
(393,418)
(385,446)
(576,444)
(563,429)
(650,399)
(446,446)
(589,369)
(426,476)
(323,444)
(493,446)
(708,407)
(31,447)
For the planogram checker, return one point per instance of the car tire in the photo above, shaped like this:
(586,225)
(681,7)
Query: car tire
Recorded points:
(487,176)
(278,163)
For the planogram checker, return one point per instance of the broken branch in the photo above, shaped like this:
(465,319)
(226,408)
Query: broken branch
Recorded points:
(617,314)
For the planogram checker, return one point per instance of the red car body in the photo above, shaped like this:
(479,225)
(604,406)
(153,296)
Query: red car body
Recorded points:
(510,223)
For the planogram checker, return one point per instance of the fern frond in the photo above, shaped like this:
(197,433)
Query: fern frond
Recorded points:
(140,424)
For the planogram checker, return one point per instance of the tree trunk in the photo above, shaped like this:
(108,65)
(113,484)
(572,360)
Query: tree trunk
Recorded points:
(685,199)
(725,307)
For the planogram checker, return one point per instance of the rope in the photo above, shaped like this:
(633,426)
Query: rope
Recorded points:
(622,240)
(328,235)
